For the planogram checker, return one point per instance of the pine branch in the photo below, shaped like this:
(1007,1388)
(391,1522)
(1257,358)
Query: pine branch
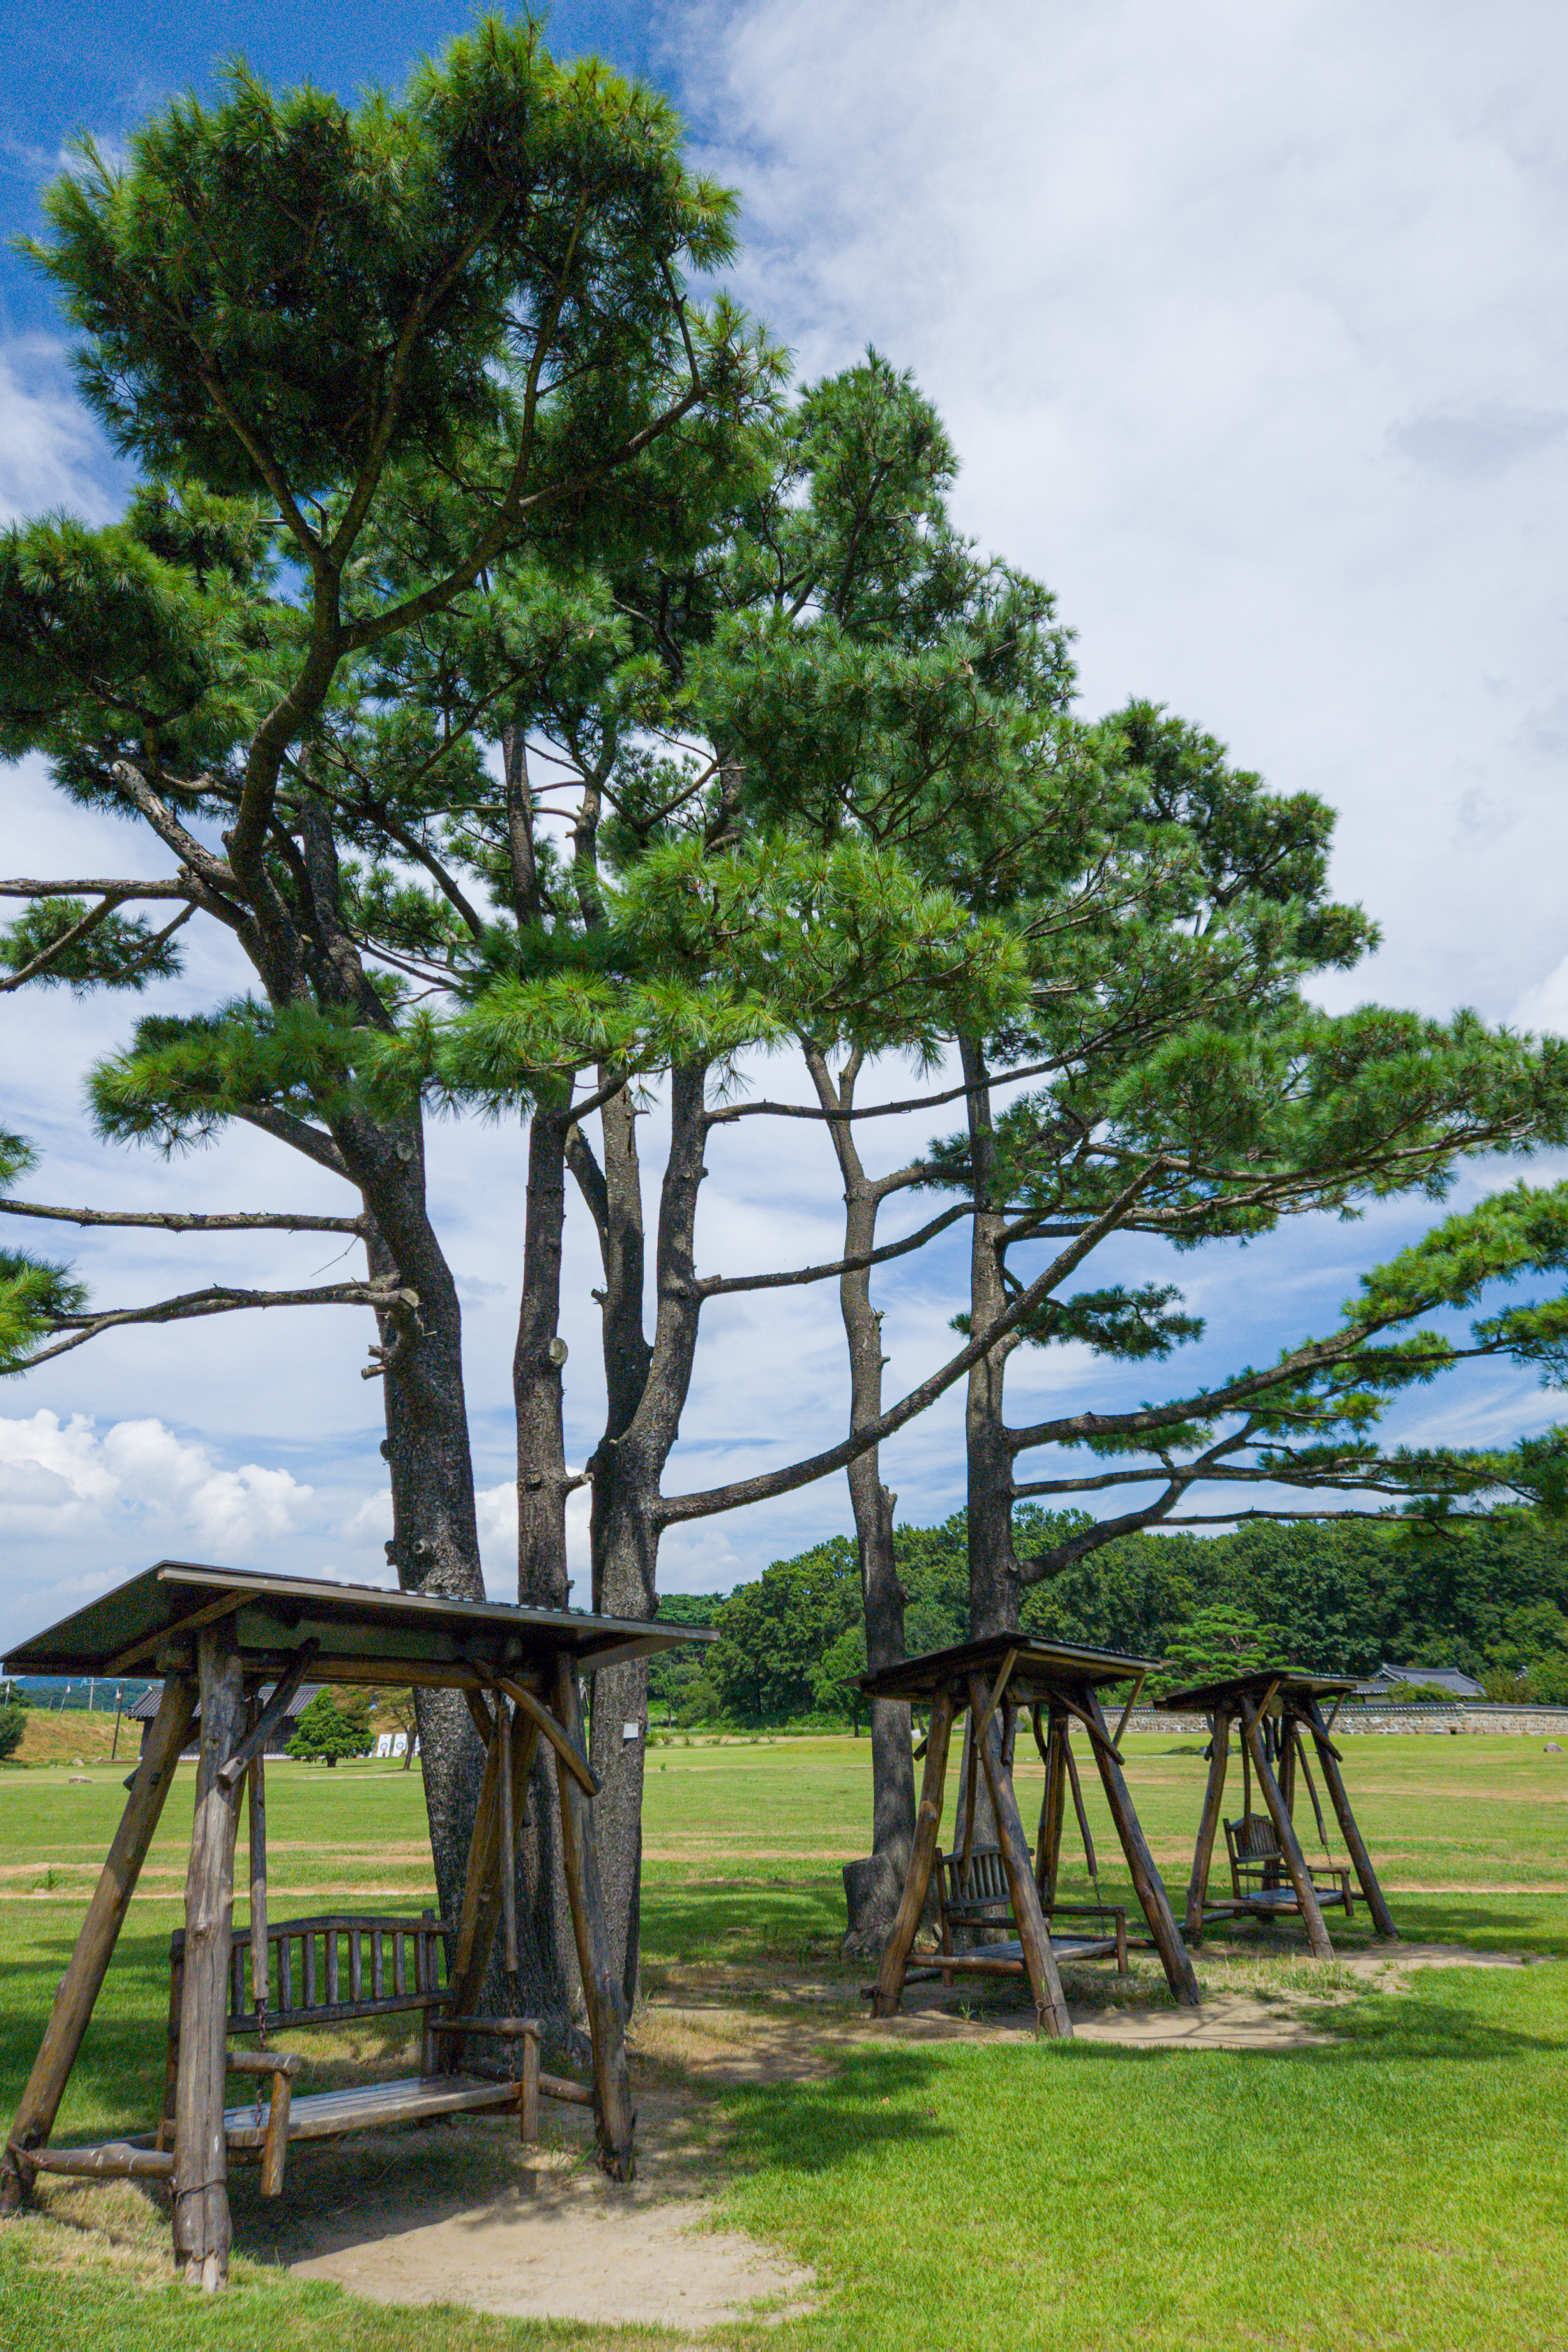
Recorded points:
(1320,1355)
(191,1220)
(313,1142)
(21,886)
(217,1300)
(59,948)
(1235,1518)
(878,1110)
(719,1286)
(674,1508)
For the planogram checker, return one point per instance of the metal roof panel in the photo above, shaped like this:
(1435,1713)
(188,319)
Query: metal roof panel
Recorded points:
(356,1624)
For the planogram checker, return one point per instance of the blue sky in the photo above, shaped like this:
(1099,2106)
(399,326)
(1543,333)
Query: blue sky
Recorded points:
(1249,326)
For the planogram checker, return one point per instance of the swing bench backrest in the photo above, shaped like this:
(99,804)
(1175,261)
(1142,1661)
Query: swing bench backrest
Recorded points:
(1255,1849)
(1254,1838)
(973,1893)
(328,1970)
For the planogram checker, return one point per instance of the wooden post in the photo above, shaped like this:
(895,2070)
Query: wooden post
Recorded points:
(469,1963)
(524,1749)
(613,2116)
(1306,1772)
(172,2049)
(1208,1827)
(970,1774)
(1355,1844)
(1285,1830)
(527,2105)
(202,2230)
(896,1951)
(1146,1880)
(1044,1752)
(1057,1775)
(79,1986)
(1284,1747)
(508,1857)
(1040,1960)
(261,1971)
(1070,1760)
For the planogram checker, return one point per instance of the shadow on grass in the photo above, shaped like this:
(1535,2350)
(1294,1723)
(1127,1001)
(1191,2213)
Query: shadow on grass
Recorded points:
(886,2098)
(1512,1923)
(738,1919)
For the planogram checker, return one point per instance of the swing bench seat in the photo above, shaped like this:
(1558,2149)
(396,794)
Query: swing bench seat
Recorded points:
(334,1969)
(973,1893)
(1260,1879)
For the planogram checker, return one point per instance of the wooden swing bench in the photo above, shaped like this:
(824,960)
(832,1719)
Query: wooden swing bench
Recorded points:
(219,1637)
(335,1969)
(996,1681)
(1259,1873)
(1280,1713)
(974,1894)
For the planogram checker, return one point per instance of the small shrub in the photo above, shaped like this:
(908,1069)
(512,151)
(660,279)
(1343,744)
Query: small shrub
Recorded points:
(13,1723)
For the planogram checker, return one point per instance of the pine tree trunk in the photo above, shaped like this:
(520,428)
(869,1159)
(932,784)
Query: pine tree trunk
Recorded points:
(648,1389)
(992,1577)
(434,1543)
(871,1895)
(547,1968)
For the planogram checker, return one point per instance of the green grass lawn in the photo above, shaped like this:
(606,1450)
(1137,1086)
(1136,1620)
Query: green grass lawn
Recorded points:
(1405,2186)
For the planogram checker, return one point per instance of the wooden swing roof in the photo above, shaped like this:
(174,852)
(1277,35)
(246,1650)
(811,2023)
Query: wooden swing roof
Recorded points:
(1287,1681)
(1039,1669)
(363,1633)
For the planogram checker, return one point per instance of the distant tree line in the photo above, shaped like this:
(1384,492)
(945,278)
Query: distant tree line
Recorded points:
(1489,1595)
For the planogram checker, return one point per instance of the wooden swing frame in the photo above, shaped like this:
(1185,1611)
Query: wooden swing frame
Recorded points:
(991,1680)
(218,1636)
(1278,1711)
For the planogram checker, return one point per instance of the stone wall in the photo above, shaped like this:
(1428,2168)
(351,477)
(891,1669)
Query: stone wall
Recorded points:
(1526,1722)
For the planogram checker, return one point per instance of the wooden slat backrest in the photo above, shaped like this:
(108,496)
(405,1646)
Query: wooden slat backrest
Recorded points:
(1255,1839)
(978,1888)
(306,1974)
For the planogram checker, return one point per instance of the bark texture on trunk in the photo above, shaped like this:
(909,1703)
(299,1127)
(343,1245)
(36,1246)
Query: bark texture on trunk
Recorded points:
(648,1386)
(993,1570)
(993,1576)
(434,1543)
(872,1893)
(546,1970)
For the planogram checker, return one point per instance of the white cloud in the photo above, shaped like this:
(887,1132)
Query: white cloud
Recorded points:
(51,453)
(66,1479)
(497,1509)
(371,1517)
(1249,325)
(1544,1006)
